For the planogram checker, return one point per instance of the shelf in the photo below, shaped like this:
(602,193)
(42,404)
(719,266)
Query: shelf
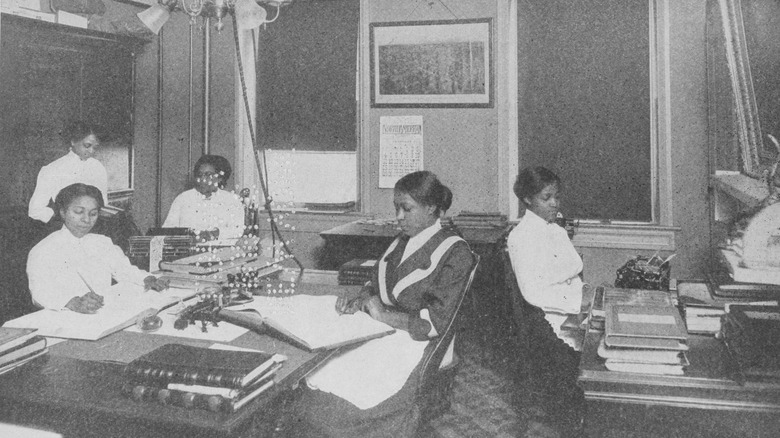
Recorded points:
(746,190)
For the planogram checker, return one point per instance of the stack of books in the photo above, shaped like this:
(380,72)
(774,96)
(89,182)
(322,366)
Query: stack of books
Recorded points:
(615,295)
(147,252)
(19,346)
(643,332)
(470,219)
(356,272)
(192,377)
(705,303)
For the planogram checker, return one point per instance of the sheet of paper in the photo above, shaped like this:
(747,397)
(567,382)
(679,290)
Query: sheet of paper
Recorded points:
(121,306)
(314,319)
(223,332)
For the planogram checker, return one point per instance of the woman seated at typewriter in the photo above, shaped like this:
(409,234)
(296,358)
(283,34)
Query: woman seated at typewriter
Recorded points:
(548,269)
(70,266)
(207,209)
(369,391)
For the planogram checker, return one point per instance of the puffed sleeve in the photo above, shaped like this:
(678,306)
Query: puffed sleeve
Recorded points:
(121,269)
(52,282)
(442,295)
(543,281)
(174,214)
(38,208)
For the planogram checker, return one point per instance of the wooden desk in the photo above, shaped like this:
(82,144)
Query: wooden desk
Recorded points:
(368,240)
(703,402)
(75,390)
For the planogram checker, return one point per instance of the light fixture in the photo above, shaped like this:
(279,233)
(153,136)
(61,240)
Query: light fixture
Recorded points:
(249,14)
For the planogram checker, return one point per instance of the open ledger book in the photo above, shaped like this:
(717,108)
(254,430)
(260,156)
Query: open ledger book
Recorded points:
(123,304)
(311,321)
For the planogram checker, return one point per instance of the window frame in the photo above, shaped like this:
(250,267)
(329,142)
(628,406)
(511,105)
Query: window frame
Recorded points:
(659,233)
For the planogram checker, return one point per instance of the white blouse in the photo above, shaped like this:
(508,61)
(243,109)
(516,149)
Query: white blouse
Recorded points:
(57,263)
(547,268)
(61,173)
(223,210)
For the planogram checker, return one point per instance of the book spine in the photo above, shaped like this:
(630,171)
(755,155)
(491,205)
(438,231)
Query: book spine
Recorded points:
(190,400)
(143,372)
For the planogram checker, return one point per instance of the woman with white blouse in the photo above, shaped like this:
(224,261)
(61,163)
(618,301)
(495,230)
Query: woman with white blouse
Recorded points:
(207,209)
(77,166)
(548,268)
(69,266)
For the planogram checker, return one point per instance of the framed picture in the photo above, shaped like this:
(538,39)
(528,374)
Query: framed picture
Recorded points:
(432,64)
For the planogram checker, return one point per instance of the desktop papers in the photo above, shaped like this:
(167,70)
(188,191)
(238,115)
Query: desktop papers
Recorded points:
(223,332)
(312,322)
(123,304)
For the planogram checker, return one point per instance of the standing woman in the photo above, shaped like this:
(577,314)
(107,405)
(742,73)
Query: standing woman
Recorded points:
(369,391)
(67,263)
(77,166)
(207,209)
(548,269)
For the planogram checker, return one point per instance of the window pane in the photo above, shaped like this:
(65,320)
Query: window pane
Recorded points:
(585,112)
(306,77)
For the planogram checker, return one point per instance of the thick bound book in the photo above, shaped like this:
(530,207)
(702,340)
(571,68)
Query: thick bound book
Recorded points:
(652,327)
(29,347)
(178,363)
(10,337)
(194,400)
(356,271)
(312,322)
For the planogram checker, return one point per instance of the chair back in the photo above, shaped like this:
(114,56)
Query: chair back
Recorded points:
(431,363)
(524,316)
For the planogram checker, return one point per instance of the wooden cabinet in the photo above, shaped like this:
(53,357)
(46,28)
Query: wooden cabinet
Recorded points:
(54,73)
(50,74)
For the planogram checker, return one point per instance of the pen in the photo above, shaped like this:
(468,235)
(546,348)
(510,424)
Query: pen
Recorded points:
(343,300)
(86,283)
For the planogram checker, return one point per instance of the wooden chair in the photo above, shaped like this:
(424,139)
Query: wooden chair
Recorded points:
(434,390)
(524,317)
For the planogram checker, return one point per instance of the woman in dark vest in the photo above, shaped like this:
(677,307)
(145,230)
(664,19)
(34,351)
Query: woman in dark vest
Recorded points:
(368,391)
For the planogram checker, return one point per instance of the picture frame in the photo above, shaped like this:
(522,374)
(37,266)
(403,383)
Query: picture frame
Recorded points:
(432,64)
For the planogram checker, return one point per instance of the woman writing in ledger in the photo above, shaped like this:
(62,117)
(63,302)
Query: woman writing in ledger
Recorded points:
(78,165)
(207,209)
(69,266)
(547,268)
(368,391)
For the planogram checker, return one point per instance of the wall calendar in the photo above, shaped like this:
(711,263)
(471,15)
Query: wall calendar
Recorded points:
(400,148)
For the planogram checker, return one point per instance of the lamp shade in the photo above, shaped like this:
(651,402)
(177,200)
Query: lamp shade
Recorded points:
(155,17)
(249,14)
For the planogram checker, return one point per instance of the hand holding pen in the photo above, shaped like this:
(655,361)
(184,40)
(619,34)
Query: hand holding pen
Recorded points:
(345,305)
(87,303)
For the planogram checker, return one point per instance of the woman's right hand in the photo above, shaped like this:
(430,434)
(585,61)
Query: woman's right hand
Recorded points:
(345,305)
(87,303)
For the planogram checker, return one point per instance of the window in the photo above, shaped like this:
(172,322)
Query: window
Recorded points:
(588,109)
(307,112)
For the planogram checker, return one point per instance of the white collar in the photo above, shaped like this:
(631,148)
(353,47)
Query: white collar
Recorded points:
(67,235)
(417,241)
(73,156)
(533,217)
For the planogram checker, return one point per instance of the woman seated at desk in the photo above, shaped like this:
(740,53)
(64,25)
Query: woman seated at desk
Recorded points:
(207,209)
(68,266)
(369,391)
(548,269)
